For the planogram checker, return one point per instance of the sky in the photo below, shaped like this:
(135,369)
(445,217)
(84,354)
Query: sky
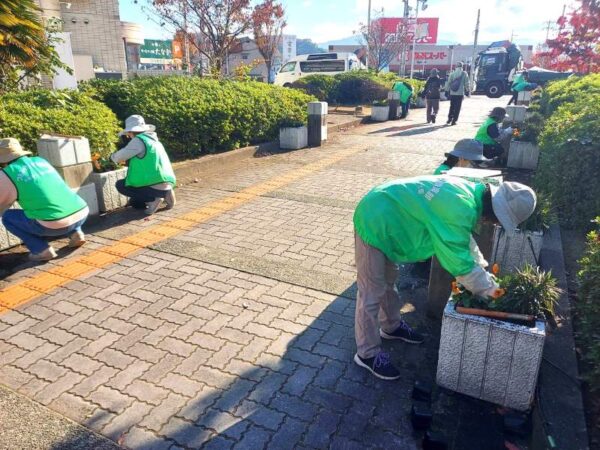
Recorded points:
(327,20)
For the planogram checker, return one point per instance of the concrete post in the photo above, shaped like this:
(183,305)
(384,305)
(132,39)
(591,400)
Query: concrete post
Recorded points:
(394,102)
(317,123)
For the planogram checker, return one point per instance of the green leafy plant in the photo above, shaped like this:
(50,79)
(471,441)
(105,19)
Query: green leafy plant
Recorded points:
(291,123)
(543,216)
(27,115)
(324,87)
(530,291)
(558,93)
(380,103)
(588,306)
(531,128)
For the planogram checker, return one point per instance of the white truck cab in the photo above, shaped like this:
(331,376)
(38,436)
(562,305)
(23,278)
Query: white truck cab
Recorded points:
(316,64)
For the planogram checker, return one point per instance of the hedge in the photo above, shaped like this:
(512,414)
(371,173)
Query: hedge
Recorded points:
(570,159)
(569,90)
(353,88)
(588,306)
(27,115)
(194,116)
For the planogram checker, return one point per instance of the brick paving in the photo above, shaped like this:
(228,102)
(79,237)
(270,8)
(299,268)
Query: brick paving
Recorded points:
(237,333)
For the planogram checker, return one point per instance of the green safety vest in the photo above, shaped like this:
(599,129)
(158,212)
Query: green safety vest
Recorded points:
(442,168)
(519,83)
(412,219)
(405,93)
(153,168)
(41,192)
(482,135)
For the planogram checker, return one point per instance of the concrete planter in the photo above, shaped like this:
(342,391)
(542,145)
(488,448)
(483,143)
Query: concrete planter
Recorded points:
(420,103)
(523,98)
(512,253)
(293,138)
(516,114)
(108,196)
(64,151)
(523,155)
(490,359)
(380,113)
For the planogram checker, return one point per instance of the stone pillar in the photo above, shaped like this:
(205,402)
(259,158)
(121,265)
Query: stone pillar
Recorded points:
(394,102)
(317,123)
(440,280)
(72,159)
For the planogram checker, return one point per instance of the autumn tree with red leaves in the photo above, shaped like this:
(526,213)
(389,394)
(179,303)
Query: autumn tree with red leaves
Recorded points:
(577,45)
(268,24)
(212,26)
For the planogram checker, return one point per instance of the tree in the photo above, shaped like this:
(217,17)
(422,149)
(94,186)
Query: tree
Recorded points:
(25,48)
(383,46)
(268,24)
(212,26)
(576,45)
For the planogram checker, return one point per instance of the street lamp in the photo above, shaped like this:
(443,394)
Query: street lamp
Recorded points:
(423,8)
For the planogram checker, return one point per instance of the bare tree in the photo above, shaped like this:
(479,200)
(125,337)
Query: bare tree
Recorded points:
(211,26)
(384,45)
(268,24)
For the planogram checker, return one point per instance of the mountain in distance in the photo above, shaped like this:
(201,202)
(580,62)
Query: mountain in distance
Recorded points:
(307,46)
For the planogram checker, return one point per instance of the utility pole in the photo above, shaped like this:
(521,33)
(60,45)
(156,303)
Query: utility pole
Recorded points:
(186,42)
(472,67)
(548,26)
(403,46)
(368,35)
(414,44)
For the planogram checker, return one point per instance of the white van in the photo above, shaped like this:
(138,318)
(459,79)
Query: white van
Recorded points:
(316,64)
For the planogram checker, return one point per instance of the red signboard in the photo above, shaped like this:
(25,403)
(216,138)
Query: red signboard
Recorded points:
(426,28)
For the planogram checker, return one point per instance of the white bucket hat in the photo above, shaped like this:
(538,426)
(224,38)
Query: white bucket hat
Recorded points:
(469,149)
(10,149)
(512,203)
(137,124)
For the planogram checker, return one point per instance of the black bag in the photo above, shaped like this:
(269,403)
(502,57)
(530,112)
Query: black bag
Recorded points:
(455,85)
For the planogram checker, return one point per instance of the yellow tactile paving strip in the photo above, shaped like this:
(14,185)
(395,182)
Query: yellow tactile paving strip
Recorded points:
(30,288)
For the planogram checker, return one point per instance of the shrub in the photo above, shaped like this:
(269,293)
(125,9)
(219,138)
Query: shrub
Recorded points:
(323,87)
(569,161)
(194,116)
(27,115)
(570,90)
(531,128)
(588,305)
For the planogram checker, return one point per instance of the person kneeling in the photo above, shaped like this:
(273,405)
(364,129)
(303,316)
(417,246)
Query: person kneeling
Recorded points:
(490,135)
(50,208)
(150,177)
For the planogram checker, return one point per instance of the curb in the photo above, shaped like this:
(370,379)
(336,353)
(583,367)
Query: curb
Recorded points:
(187,171)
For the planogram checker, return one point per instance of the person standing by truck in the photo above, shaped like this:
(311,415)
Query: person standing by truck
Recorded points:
(457,87)
(520,83)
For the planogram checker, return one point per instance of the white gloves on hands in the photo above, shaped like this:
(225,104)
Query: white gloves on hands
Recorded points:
(479,282)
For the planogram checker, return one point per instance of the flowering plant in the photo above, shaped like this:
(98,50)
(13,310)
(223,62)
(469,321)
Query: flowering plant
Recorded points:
(103,164)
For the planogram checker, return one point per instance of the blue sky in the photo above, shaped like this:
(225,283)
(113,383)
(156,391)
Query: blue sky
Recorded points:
(325,20)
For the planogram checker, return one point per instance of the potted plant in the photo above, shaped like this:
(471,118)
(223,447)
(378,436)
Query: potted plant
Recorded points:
(380,111)
(523,152)
(491,349)
(105,175)
(525,245)
(293,134)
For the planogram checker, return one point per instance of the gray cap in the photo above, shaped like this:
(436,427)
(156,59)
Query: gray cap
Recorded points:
(512,203)
(469,149)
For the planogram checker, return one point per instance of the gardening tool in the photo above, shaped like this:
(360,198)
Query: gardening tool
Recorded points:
(495,314)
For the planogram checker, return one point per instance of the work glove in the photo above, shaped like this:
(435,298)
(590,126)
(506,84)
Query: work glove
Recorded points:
(479,282)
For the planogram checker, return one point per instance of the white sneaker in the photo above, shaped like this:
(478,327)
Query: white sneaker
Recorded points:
(77,239)
(46,255)
(152,207)
(170,199)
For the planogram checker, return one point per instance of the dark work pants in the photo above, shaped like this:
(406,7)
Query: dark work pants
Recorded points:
(433,106)
(405,106)
(492,150)
(139,196)
(455,105)
(513,99)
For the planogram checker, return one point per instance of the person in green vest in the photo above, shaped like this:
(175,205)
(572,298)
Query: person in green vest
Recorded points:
(406,92)
(150,178)
(519,84)
(490,135)
(463,154)
(49,207)
(411,219)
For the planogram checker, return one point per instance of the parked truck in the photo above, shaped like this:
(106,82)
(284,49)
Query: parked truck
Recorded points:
(495,68)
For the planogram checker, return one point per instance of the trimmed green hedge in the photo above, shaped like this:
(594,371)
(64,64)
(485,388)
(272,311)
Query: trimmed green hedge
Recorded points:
(567,91)
(353,88)
(194,116)
(27,115)
(570,160)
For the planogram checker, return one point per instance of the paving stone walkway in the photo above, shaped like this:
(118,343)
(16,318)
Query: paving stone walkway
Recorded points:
(235,331)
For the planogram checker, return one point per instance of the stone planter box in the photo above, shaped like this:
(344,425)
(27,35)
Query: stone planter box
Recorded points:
(380,113)
(512,253)
(293,138)
(516,114)
(523,98)
(490,359)
(108,196)
(64,151)
(420,103)
(523,155)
